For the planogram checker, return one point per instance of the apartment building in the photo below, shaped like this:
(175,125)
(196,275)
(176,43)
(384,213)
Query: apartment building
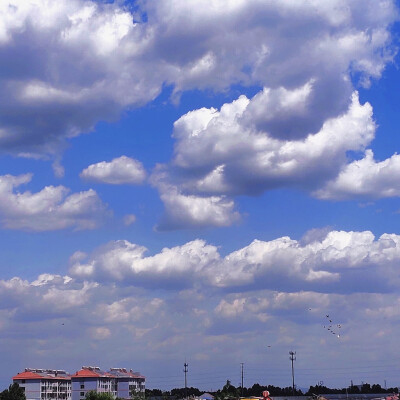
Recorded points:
(128,382)
(119,382)
(44,384)
(40,384)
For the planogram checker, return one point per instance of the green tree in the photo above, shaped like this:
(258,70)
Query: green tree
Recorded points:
(136,394)
(228,392)
(153,392)
(14,392)
(92,395)
(179,393)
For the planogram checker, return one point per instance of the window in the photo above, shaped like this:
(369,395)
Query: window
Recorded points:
(82,394)
(22,380)
(82,386)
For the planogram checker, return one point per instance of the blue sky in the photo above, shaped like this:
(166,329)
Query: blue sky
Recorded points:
(200,180)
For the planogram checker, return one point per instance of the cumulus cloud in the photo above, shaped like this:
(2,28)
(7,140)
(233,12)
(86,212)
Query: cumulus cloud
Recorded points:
(365,178)
(100,316)
(52,208)
(97,59)
(184,211)
(122,260)
(222,153)
(51,296)
(121,170)
(243,160)
(283,263)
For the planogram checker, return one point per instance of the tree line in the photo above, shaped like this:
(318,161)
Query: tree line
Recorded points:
(228,392)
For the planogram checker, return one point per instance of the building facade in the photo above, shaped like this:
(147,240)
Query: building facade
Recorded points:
(39,384)
(44,384)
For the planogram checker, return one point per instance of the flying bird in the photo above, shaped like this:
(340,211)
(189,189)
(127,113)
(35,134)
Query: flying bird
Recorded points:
(331,326)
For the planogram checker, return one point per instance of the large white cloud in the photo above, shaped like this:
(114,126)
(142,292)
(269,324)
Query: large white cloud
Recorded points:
(331,262)
(189,210)
(242,159)
(52,208)
(123,260)
(121,170)
(231,151)
(70,63)
(365,178)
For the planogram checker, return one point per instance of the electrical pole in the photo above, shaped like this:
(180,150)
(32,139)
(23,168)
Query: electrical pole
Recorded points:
(242,378)
(292,358)
(185,370)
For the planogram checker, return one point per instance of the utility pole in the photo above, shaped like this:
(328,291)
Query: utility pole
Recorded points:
(242,378)
(185,370)
(292,358)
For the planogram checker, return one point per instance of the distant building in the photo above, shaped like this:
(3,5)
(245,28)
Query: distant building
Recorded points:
(45,384)
(119,382)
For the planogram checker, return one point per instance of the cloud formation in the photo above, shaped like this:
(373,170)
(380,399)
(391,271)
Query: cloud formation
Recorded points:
(118,299)
(365,178)
(119,171)
(244,160)
(95,60)
(281,263)
(52,208)
(189,210)
(219,154)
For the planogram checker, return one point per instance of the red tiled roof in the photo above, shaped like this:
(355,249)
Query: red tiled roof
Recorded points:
(27,375)
(33,375)
(90,373)
(86,373)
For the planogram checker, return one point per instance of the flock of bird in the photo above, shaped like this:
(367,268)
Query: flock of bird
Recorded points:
(329,324)
(332,327)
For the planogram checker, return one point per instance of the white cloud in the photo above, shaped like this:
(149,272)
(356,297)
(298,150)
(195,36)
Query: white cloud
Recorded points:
(365,178)
(242,159)
(129,219)
(184,211)
(62,299)
(154,325)
(226,152)
(281,263)
(52,208)
(121,170)
(98,59)
(100,333)
(123,260)
(129,310)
